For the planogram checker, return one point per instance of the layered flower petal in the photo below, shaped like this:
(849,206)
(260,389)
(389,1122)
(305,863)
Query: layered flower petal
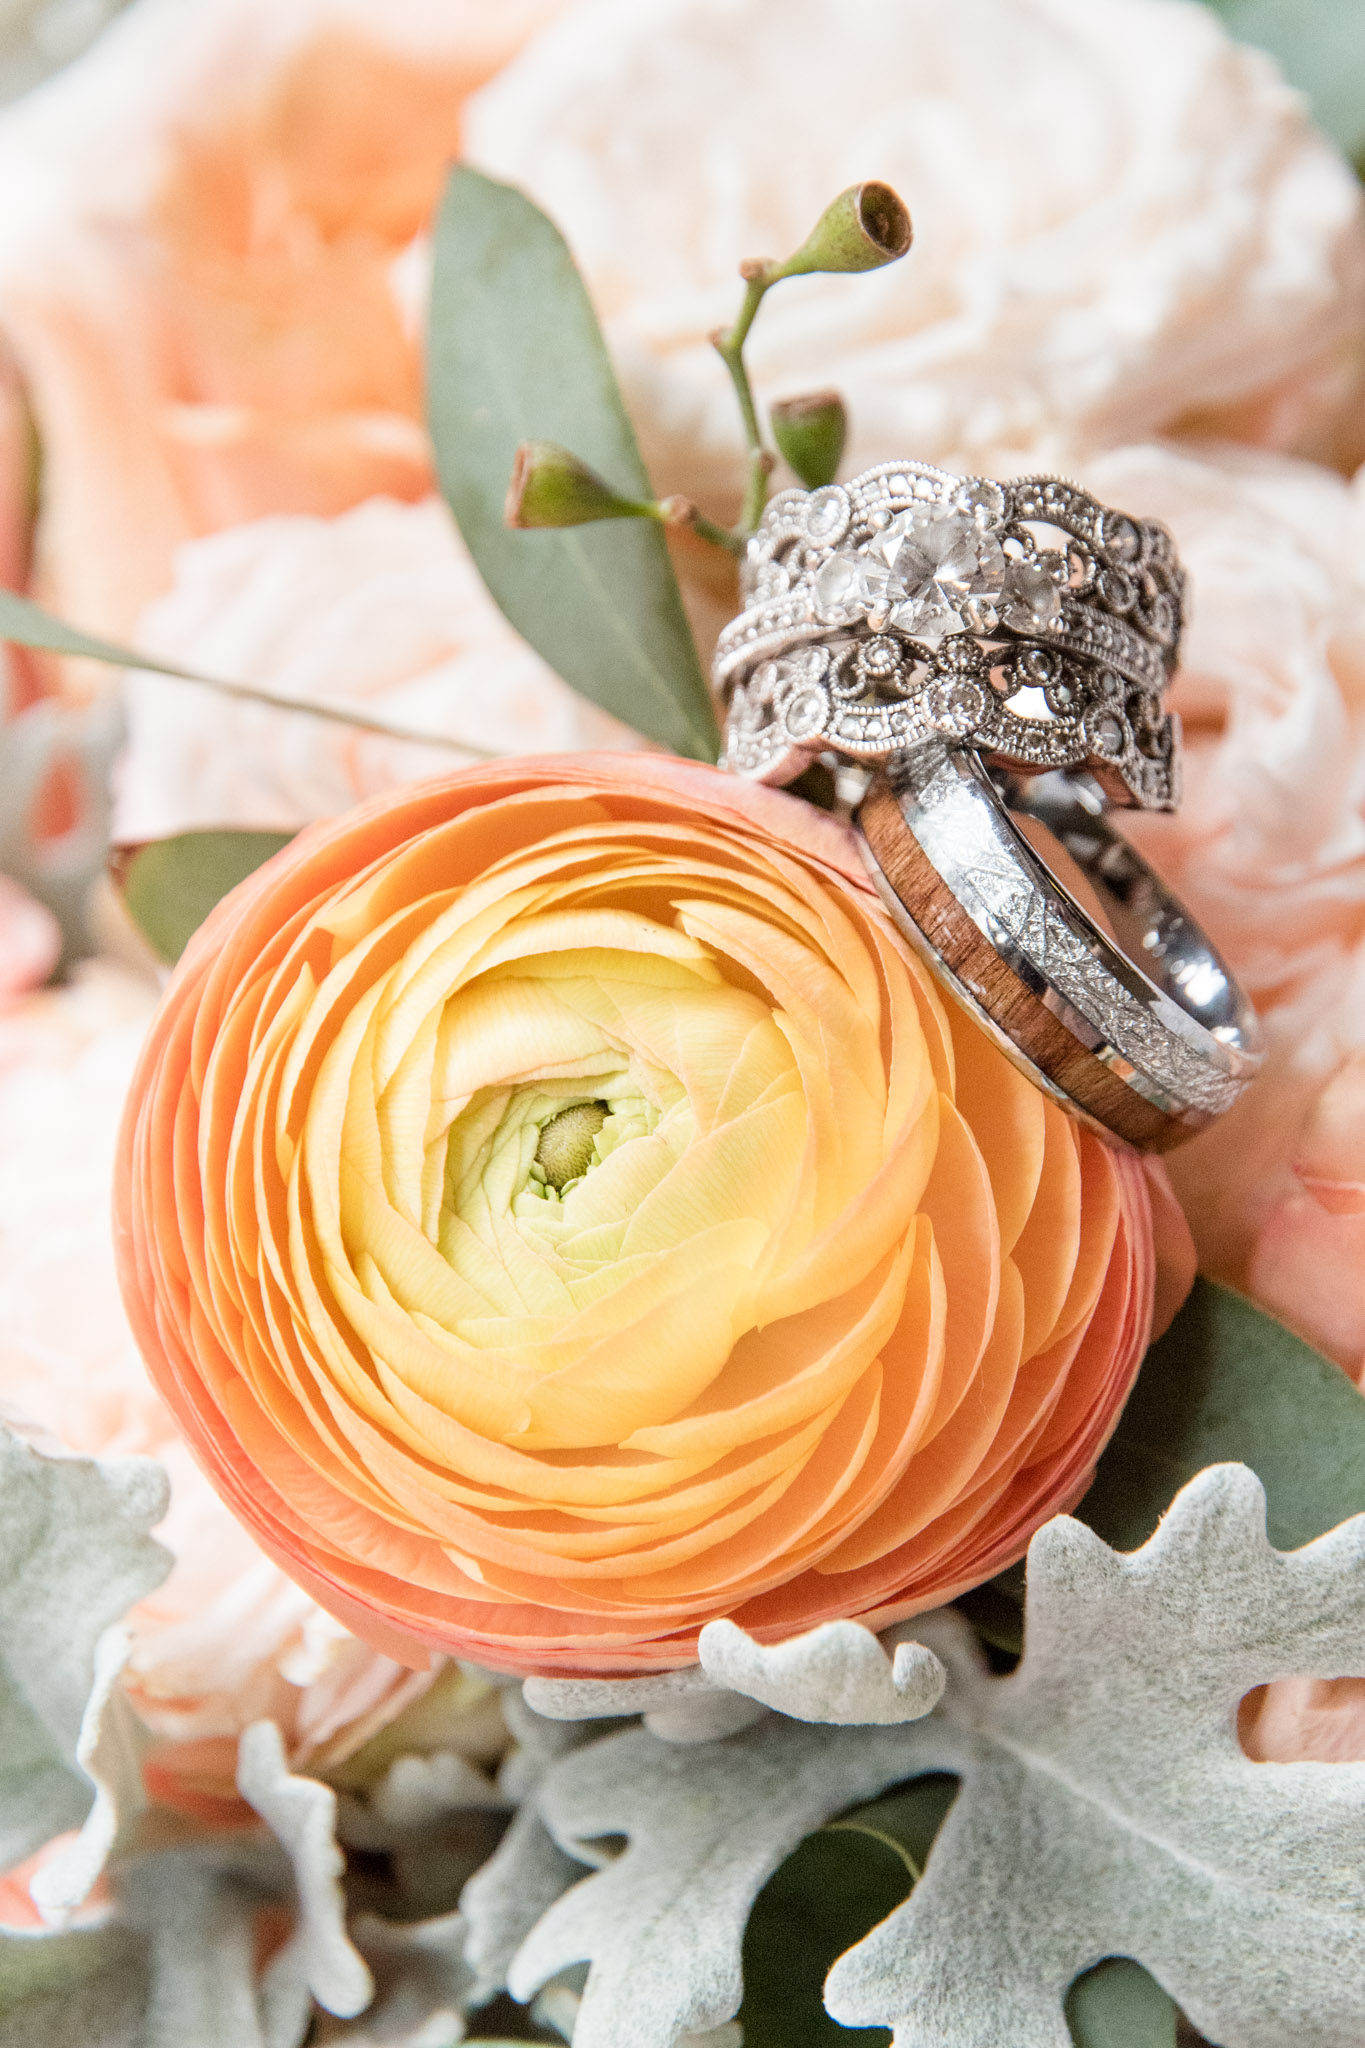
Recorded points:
(560,1211)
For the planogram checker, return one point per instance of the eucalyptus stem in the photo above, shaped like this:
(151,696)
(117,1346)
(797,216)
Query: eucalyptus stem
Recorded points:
(310,707)
(728,343)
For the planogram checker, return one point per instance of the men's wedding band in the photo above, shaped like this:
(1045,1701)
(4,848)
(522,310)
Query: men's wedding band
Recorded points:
(1141,1028)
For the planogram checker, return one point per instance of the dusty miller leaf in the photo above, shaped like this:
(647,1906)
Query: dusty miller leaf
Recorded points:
(838,1672)
(75,1554)
(528,1871)
(176,1961)
(424,1985)
(301,1814)
(1106,1808)
(515,355)
(662,1923)
(110,1750)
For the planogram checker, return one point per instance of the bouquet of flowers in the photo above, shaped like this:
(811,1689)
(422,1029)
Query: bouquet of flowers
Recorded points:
(682,1106)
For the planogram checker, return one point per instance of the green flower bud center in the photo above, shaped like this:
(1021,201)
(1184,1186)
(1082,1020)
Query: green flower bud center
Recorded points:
(565,1150)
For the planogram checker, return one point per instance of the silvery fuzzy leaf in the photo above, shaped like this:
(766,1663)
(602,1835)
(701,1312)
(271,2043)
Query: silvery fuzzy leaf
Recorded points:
(678,1706)
(176,1961)
(85,1988)
(301,1814)
(505,1899)
(528,1870)
(417,1792)
(110,1750)
(172,1964)
(75,1554)
(196,1911)
(1107,1809)
(662,1923)
(838,1672)
(425,1985)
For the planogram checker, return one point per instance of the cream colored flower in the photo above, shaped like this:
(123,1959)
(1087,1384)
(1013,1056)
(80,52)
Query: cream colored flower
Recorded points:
(1269,850)
(381,609)
(202,221)
(1123,218)
(228,1638)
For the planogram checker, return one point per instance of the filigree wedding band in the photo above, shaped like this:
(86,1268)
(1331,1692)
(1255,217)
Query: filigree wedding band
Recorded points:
(1151,1052)
(1023,619)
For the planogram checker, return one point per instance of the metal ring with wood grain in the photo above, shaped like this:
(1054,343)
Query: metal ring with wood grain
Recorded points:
(1126,1014)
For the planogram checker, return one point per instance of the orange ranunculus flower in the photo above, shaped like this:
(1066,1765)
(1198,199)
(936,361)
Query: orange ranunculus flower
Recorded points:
(560,1210)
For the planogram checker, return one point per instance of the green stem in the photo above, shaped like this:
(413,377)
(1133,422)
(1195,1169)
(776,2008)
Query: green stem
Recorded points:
(682,512)
(728,343)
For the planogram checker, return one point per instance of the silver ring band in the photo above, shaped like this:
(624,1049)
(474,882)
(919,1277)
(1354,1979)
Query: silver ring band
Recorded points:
(1023,619)
(1151,1053)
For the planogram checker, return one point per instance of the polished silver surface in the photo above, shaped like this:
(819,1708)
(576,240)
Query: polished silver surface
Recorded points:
(1024,620)
(1154,1003)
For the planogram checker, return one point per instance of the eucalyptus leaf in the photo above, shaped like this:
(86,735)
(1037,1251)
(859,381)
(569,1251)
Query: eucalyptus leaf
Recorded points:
(1227,1383)
(171,885)
(515,355)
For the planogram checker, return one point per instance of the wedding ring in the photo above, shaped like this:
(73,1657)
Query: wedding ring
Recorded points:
(1141,1030)
(1024,620)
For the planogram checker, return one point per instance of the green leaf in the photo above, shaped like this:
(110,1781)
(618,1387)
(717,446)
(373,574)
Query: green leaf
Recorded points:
(1227,1383)
(1117,2005)
(26,624)
(1320,46)
(829,1893)
(516,355)
(171,885)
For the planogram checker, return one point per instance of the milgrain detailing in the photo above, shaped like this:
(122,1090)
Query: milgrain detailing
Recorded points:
(1024,619)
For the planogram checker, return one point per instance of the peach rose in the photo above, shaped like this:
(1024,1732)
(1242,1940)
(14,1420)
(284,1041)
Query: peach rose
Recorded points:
(1298,1720)
(559,1210)
(227,1638)
(200,268)
(1268,849)
(1124,220)
(381,608)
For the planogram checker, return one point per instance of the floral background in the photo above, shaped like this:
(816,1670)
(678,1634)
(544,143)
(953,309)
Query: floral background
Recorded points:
(1139,261)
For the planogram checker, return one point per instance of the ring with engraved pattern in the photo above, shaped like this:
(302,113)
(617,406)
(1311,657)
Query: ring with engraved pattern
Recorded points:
(1125,1013)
